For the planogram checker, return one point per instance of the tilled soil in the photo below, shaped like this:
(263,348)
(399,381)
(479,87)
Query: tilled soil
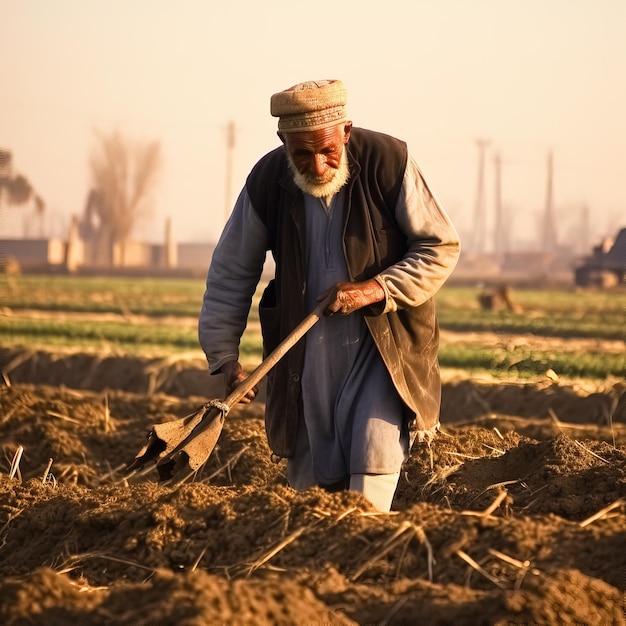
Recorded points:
(514,514)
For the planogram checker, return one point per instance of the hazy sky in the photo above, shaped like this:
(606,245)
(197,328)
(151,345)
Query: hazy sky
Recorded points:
(528,75)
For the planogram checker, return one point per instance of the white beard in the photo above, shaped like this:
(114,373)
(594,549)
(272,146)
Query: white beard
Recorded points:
(328,185)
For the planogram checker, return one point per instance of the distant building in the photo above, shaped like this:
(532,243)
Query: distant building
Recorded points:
(34,254)
(78,255)
(606,266)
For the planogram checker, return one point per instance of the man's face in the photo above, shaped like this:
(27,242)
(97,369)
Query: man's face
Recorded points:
(317,156)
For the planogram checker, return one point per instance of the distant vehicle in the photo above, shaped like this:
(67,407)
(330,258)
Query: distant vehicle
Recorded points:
(606,266)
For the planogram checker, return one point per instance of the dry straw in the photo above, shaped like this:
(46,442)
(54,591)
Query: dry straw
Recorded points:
(502,494)
(107,413)
(473,564)
(228,466)
(580,445)
(46,473)
(65,418)
(403,535)
(15,465)
(601,513)
(74,560)
(272,552)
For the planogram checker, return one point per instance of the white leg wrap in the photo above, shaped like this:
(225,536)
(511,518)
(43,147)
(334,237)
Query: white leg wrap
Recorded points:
(379,489)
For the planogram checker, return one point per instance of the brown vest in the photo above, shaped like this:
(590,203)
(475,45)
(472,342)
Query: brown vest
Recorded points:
(408,340)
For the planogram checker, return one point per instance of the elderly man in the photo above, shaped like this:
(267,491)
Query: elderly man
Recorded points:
(344,211)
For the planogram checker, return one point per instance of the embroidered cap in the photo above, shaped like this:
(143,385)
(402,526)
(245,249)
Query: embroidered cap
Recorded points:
(310,105)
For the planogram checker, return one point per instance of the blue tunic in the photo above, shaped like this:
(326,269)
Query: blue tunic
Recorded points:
(352,412)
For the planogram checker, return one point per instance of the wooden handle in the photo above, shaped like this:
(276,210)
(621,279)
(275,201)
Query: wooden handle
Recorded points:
(278,353)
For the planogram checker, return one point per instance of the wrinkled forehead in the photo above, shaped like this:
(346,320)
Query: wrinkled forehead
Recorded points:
(316,140)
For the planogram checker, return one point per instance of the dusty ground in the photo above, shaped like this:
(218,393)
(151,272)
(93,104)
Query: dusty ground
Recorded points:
(515,514)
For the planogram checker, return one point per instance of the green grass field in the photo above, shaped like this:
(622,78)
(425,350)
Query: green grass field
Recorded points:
(576,333)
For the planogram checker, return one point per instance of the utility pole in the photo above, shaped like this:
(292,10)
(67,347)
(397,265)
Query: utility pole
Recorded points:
(230,148)
(549,237)
(478,239)
(501,230)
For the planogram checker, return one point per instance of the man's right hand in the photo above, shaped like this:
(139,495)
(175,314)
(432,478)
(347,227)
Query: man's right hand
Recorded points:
(233,376)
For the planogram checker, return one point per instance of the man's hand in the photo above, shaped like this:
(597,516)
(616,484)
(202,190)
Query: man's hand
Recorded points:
(233,376)
(350,297)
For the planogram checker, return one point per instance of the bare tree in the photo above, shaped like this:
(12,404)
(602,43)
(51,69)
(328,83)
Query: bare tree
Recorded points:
(123,179)
(17,188)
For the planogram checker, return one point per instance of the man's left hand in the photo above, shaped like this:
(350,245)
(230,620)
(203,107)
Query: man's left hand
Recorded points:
(350,297)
